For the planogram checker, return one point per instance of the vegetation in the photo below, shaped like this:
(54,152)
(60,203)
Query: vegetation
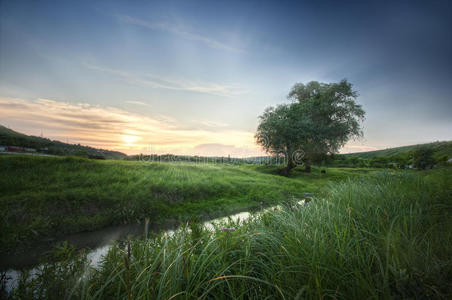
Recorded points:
(49,196)
(398,161)
(423,158)
(10,137)
(386,235)
(440,149)
(428,155)
(367,235)
(322,120)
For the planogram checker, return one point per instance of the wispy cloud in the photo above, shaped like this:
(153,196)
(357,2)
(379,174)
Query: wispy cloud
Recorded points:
(171,84)
(177,30)
(138,103)
(113,128)
(357,148)
(218,149)
(211,123)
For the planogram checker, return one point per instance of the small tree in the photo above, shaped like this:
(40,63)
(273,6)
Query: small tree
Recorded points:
(423,158)
(320,121)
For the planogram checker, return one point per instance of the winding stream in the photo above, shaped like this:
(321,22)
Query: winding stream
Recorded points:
(101,241)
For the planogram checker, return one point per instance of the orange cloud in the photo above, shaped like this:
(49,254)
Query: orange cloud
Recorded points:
(117,129)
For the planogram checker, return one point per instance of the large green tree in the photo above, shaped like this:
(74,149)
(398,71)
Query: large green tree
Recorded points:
(319,121)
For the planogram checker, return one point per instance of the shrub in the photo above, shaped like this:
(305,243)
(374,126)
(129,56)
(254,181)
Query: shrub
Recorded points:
(423,158)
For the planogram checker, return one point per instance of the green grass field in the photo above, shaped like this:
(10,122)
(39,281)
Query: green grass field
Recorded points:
(54,196)
(382,236)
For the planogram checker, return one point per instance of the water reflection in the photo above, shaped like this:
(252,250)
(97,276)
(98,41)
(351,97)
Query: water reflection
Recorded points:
(96,255)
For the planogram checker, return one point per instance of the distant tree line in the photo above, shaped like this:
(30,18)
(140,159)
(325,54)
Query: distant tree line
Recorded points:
(265,160)
(420,158)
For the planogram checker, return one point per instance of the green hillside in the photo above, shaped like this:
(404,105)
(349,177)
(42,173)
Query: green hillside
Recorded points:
(439,149)
(10,137)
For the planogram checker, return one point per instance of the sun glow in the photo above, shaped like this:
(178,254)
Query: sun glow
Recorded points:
(129,139)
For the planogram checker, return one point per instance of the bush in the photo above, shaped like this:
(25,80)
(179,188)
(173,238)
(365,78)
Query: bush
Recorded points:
(442,160)
(423,158)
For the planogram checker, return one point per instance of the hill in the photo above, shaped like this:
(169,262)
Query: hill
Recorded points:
(439,149)
(10,137)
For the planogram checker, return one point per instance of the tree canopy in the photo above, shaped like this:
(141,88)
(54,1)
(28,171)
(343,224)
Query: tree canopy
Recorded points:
(423,158)
(320,120)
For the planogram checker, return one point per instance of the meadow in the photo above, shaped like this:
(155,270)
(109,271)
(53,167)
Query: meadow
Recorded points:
(50,197)
(385,235)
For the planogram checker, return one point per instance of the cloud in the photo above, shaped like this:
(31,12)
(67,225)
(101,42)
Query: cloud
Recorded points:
(218,149)
(180,32)
(357,148)
(211,123)
(137,103)
(117,129)
(171,84)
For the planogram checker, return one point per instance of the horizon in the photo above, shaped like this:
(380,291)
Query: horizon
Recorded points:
(192,78)
(148,152)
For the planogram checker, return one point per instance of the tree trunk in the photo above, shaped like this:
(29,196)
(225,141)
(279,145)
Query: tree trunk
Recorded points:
(290,166)
(307,168)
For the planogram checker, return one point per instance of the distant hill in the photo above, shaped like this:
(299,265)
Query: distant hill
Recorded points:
(10,137)
(439,149)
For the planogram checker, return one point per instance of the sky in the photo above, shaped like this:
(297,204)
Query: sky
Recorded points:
(192,77)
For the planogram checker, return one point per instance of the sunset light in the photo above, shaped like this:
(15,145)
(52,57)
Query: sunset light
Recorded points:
(199,149)
(129,139)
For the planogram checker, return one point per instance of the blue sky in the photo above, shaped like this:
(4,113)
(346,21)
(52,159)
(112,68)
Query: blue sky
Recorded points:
(192,77)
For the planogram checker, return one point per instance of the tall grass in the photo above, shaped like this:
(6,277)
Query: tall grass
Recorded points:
(384,236)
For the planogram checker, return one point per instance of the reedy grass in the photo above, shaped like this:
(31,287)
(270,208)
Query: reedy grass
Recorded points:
(380,237)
